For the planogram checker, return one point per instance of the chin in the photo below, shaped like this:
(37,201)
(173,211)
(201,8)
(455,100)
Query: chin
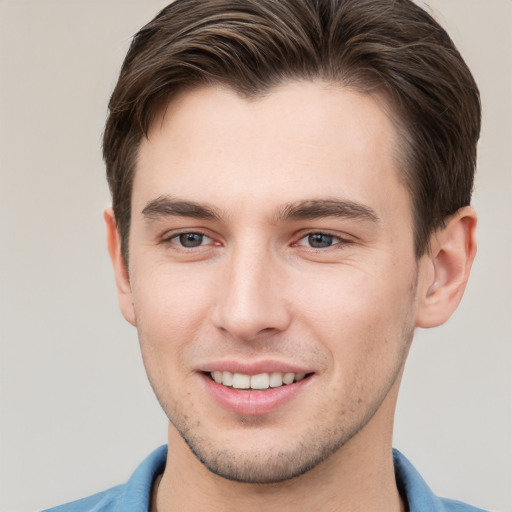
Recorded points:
(268,462)
(261,468)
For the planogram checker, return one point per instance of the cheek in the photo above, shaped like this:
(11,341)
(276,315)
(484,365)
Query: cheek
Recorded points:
(344,293)
(360,315)
(170,309)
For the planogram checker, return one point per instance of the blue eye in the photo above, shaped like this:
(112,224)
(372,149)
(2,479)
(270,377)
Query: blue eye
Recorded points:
(319,240)
(190,240)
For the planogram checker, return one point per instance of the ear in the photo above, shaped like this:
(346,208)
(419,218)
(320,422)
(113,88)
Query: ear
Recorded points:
(445,270)
(124,292)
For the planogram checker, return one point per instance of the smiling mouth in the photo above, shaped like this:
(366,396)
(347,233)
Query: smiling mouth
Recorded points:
(258,382)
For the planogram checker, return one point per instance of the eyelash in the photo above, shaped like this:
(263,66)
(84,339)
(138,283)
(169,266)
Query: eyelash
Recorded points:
(335,241)
(174,239)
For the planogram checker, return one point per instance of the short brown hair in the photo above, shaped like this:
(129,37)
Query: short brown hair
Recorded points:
(390,46)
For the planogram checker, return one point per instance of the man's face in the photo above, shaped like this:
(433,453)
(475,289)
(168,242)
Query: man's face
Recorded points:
(272,238)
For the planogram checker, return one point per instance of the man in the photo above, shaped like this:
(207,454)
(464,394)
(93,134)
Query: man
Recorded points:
(291,188)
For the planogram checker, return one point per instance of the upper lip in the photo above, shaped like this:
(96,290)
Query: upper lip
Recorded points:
(253,367)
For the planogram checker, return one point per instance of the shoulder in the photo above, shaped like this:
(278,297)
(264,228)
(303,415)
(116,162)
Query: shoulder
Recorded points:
(458,506)
(418,494)
(100,502)
(133,496)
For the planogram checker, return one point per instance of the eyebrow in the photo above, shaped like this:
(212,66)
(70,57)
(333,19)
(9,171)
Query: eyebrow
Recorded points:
(165,206)
(319,208)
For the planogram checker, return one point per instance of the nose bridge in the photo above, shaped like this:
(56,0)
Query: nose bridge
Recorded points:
(250,302)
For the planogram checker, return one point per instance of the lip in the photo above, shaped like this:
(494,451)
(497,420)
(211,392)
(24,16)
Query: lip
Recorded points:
(253,402)
(253,368)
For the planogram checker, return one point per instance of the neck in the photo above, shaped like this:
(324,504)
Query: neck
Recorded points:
(358,477)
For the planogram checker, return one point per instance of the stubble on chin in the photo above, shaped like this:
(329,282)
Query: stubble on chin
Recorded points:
(268,465)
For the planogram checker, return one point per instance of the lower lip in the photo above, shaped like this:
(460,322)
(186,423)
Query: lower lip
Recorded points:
(255,402)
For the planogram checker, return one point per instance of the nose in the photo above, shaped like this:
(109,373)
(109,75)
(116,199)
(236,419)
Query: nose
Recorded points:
(251,299)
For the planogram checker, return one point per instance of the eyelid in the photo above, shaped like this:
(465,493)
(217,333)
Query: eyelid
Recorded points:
(319,231)
(340,240)
(170,237)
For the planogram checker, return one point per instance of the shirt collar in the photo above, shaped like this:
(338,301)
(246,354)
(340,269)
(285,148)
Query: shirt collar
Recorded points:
(137,493)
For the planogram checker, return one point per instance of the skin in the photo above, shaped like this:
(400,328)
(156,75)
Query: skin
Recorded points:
(255,290)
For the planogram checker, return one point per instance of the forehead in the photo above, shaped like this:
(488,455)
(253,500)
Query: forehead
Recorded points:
(302,139)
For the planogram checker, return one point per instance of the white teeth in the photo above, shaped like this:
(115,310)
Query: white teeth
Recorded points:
(276,380)
(241,381)
(260,381)
(227,379)
(288,378)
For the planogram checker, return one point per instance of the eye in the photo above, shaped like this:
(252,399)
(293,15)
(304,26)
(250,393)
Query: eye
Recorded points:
(190,240)
(319,240)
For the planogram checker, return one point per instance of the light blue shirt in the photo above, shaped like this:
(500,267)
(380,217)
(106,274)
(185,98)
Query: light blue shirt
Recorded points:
(135,495)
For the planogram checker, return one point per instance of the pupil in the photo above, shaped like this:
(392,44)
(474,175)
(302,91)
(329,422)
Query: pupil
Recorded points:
(319,241)
(191,239)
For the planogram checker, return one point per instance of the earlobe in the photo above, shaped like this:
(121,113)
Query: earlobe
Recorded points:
(453,250)
(124,293)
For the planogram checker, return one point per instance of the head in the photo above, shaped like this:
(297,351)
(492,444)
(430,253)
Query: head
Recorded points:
(393,49)
(290,184)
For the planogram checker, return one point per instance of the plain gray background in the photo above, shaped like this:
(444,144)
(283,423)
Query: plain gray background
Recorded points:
(77,414)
